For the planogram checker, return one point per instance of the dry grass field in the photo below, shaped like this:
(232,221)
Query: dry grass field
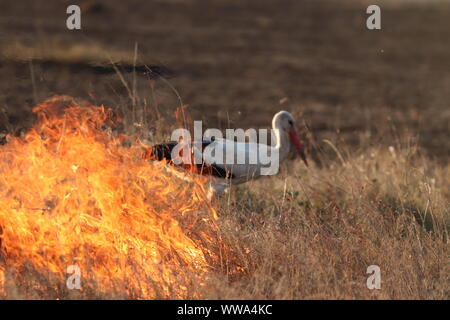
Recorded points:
(373,108)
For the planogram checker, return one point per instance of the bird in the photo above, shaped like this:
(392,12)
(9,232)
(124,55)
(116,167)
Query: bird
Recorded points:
(222,171)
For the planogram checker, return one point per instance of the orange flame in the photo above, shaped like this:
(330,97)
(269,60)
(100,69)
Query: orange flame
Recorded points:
(71,193)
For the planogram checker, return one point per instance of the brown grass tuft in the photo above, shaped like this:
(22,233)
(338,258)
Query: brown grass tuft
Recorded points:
(311,234)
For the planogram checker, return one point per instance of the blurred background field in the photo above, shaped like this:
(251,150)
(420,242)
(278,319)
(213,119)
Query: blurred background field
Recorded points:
(373,107)
(237,63)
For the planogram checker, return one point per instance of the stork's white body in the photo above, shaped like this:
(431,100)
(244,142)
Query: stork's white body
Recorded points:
(243,172)
(245,162)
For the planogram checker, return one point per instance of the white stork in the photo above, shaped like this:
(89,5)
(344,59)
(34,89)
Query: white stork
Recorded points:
(223,173)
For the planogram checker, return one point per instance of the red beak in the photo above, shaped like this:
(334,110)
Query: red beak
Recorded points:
(295,139)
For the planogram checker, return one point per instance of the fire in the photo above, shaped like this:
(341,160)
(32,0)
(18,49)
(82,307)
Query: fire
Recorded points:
(72,193)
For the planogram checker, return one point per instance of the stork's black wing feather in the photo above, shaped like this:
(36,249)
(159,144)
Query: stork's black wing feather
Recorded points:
(163,151)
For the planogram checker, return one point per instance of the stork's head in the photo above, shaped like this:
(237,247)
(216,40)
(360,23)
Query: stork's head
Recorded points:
(285,122)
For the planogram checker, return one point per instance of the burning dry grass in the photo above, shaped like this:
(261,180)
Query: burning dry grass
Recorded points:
(72,194)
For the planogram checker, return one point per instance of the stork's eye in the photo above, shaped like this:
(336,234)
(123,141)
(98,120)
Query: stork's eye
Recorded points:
(290,122)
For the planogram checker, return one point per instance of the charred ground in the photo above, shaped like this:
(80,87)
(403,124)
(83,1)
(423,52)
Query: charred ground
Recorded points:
(234,62)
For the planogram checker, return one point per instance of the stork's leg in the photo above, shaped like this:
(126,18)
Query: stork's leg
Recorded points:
(216,189)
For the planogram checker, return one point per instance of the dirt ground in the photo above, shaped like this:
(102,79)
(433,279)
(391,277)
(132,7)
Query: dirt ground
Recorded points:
(236,63)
